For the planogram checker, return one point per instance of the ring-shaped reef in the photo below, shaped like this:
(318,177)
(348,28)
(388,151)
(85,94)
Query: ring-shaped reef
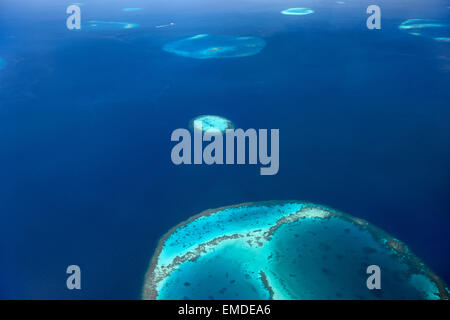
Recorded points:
(211,123)
(109,25)
(297,11)
(284,250)
(205,46)
(430,28)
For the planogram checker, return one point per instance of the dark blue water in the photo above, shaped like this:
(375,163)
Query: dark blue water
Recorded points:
(86,117)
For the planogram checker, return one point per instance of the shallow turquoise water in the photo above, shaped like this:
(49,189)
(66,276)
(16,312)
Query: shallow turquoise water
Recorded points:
(220,278)
(436,29)
(233,220)
(297,11)
(211,123)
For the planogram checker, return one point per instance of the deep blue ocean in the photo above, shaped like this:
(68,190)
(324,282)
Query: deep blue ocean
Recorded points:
(86,116)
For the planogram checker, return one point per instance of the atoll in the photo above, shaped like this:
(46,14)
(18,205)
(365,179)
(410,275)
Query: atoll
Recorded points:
(284,250)
(297,11)
(205,46)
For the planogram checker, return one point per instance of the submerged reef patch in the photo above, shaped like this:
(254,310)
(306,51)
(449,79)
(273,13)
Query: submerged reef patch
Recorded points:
(284,250)
(430,28)
(297,11)
(442,39)
(2,63)
(109,25)
(211,123)
(171,24)
(205,46)
(131,9)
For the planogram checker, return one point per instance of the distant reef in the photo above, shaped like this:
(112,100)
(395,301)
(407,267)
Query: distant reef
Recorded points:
(205,46)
